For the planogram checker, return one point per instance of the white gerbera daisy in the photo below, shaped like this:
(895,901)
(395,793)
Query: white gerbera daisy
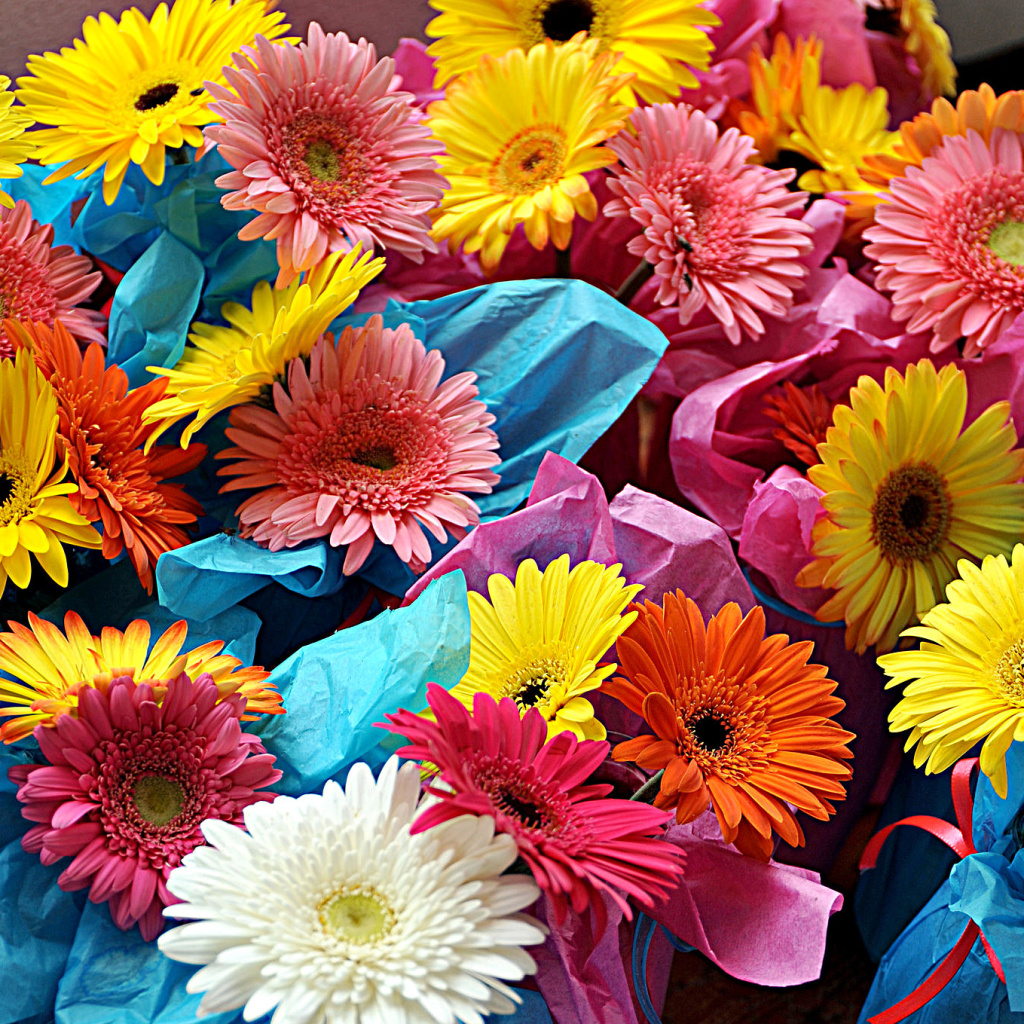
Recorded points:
(346,918)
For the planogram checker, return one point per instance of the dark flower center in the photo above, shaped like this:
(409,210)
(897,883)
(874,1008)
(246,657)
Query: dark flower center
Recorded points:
(322,160)
(524,810)
(157,96)
(533,691)
(377,457)
(911,515)
(159,800)
(709,732)
(564,18)
(6,488)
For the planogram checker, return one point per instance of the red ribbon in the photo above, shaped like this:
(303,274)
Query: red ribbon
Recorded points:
(373,593)
(961,842)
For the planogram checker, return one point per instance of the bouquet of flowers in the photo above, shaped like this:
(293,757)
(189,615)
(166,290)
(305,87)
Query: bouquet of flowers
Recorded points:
(451,503)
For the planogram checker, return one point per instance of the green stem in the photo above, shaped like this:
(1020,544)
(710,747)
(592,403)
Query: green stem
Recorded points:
(649,790)
(634,282)
(563,262)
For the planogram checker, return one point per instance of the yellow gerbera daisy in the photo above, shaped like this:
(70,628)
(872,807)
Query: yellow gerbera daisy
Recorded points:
(226,366)
(908,492)
(53,667)
(659,40)
(927,42)
(15,146)
(966,683)
(133,87)
(520,133)
(35,514)
(835,129)
(776,93)
(538,640)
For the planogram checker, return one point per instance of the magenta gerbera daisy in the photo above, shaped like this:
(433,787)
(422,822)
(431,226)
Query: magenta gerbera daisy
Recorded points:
(129,782)
(365,444)
(717,231)
(950,241)
(43,283)
(576,841)
(325,149)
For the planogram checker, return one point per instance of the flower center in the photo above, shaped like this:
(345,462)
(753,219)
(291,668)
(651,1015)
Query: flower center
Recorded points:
(379,456)
(360,915)
(562,19)
(16,480)
(911,515)
(158,96)
(159,800)
(326,162)
(530,160)
(1007,241)
(322,160)
(540,673)
(530,814)
(1010,673)
(710,732)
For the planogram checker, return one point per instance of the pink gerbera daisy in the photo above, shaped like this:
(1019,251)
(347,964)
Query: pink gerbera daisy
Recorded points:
(128,783)
(326,149)
(717,231)
(576,842)
(366,443)
(43,283)
(950,241)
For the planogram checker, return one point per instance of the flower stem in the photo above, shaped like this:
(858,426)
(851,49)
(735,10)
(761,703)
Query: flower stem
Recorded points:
(649,790)
(180,155)
(634,282)
(563,262)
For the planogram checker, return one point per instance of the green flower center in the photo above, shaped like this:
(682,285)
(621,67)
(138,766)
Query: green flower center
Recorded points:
(322,160)
(359,915)
(1007,242)
(158,799)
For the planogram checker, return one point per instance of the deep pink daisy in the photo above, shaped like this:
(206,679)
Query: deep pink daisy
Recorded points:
(326,149)
(576,842)
(717,230)
(365,444)
(128,784)
(950,241)
(43,283)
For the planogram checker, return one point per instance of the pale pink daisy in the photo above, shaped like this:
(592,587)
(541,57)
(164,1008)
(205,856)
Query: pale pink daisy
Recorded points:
(576,841)
(129,782)
(716,230)
(950,241)
(43,283)
(365,444)
(325,149)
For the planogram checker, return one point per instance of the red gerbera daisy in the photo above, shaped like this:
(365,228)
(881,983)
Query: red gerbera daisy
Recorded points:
(102,430)
(129,782)
(577,843)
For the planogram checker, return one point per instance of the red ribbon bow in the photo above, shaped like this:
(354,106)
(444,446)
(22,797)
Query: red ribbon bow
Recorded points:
(961,842)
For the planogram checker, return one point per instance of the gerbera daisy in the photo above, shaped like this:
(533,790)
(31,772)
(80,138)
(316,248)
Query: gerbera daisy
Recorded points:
(578,844)
(716,230)
(36,516)
(966,683)
(128,783)
(658,40)
(50,670)
(325,150)
(226,366)
(132,88)
(740,721)
(42,282)
(345,916)
(367,444)
(950,241)
(15,146)
(804,416)
(776,91)
(540,640)
(925,40)
(520,132)
(836,128)
(100,429)
(908,492)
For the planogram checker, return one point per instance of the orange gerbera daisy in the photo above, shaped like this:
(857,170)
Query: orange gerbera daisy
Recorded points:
(102,432)
(53,667)
(979,110)
(804,416)
(740,721)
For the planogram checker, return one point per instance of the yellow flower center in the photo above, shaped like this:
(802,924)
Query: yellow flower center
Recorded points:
(17,478)
(530,160)
(1007,242)
(358,915)
(911,515)
(540,670)
(1010,673)
(158,799)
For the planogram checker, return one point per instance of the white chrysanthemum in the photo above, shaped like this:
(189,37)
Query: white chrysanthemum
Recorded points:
(343,917)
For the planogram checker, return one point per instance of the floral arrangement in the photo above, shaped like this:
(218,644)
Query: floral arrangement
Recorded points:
(463,508)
